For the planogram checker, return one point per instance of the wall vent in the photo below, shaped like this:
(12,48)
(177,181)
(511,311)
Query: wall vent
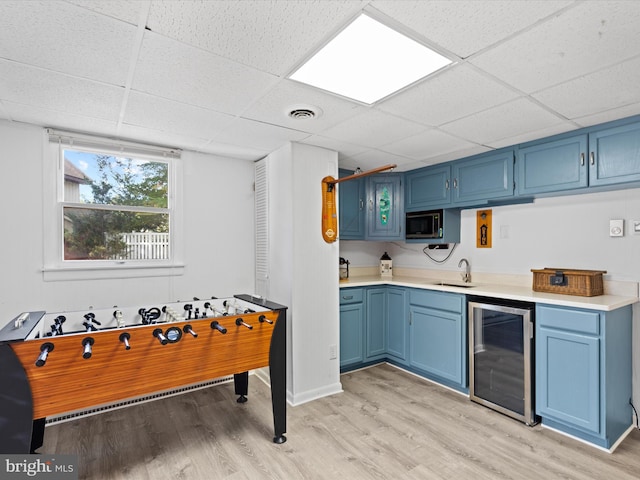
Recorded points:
(127,403)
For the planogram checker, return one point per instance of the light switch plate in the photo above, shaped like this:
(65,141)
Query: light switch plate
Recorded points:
(636,226)
(616,228)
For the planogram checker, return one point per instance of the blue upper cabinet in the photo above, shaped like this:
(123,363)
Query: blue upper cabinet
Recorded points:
(385,207)
(352,199)
(428,188)
(482,178)
(553,166)
(614,155)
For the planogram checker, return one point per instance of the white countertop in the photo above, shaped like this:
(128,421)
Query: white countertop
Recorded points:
(510,292)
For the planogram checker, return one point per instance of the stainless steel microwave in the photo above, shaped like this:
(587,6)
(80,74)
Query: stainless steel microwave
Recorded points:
(427,224)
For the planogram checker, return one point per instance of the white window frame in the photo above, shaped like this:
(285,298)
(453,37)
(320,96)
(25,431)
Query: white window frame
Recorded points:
(55,267)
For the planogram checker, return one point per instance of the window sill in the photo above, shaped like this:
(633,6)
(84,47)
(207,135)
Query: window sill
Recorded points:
(105,272)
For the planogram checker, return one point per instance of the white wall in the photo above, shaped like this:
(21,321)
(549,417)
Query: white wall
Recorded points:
(563,232)
(219,238)
(303,269)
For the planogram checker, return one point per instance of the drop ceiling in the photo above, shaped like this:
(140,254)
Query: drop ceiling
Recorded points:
(211,76)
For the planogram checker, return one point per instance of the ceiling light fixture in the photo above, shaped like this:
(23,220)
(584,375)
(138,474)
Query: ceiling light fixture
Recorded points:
(368,61)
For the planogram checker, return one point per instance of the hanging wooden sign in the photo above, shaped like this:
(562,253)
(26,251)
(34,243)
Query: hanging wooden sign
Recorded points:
(483,229)
(329,214)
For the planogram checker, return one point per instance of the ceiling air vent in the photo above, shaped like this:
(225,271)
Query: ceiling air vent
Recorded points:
(303,112)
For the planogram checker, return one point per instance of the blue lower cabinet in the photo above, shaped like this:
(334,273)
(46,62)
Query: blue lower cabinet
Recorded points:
(423,331)
(583,372)
(397,327)
(351,327)
(437,329)
(435,342)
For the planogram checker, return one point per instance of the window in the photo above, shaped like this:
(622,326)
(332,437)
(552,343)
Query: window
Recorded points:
(114,206)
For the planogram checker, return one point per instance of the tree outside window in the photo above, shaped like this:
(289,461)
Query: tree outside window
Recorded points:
(115,207)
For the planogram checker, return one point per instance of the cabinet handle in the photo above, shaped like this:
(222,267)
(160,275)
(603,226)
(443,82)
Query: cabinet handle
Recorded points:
(371,205)
(446,184)
(592,159)
(347,297)
(361,204)
(410,318)
(455,183)
(582,159)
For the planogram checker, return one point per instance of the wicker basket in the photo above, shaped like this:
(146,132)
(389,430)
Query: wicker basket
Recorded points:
(585,283)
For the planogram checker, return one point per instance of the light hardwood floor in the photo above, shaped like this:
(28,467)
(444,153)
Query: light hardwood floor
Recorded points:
(387,424)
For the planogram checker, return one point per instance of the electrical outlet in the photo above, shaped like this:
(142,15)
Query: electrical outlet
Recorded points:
(333,352)
(616,228)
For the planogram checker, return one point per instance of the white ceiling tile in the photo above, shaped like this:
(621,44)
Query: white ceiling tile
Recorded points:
(457,154)
(234,151)
(159,137)
(173,117)
(466,27)
(39,115)
(426,145)
(187,74)
(592,94)
(66,38)
(455,93)
(270,36)
(344,149)
(274,107)
(256,135)
(126,10)
(373,128)
(375,158)
(56,91)
(579,41)
(532,135)
(609,115)
(504,121)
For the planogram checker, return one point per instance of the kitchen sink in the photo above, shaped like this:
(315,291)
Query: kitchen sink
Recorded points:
(461,285)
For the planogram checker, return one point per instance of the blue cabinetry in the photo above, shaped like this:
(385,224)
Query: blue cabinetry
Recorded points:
(483,177)
(614,155)
(351,207)
(385,207)
(420,330)
(376,323)
(472,181)
(438,336)
(553,166)
(351,326)
(371,208)
(397,326)
(596,157)
(427,188)
(583,371)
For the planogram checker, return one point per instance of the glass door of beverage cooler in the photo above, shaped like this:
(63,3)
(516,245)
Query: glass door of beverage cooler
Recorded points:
(501,357)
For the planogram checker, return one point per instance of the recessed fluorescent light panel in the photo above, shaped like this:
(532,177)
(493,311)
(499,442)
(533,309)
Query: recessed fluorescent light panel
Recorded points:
(368,61)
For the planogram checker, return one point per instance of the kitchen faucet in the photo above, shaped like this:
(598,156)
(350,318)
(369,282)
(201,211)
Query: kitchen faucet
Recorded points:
(466,276)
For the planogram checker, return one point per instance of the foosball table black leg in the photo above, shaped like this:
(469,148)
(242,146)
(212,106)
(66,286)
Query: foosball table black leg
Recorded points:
(241,383)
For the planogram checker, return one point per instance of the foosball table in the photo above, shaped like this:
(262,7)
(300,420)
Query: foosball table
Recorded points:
(55,363)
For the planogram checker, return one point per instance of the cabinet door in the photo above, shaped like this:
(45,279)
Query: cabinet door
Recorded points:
(483,178)
(553,166)
(427,188)
(376,324)
(397,326)
(351,333)
(351,208)
(385,209)
(614,155)
(435,345)
(568,378)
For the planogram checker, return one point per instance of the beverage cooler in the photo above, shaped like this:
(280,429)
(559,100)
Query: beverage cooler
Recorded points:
(501,356)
